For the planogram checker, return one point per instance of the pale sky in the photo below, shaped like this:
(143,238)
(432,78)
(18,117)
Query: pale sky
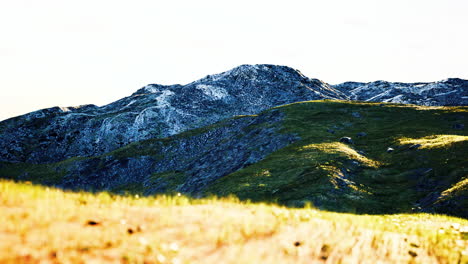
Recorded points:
(68,52)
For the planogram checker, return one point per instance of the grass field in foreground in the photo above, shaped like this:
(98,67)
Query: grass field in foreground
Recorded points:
(47,225)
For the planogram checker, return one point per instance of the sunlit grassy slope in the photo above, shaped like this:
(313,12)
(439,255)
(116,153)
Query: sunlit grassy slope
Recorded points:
(45,225)
(429,158)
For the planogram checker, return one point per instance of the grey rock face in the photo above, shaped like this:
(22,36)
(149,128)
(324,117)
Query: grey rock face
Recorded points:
(154,111)
(449,92)
(201,158)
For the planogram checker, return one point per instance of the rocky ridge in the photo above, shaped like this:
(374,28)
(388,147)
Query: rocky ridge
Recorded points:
(154,111)
(449,92)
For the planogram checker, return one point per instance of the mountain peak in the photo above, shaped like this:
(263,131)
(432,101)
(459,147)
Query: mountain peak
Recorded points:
(245,73)
(252,72)
(154,88)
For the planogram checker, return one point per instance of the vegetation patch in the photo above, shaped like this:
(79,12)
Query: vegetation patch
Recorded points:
(170,180)
(342,150)
(434,141)
(399,155)
(38,173)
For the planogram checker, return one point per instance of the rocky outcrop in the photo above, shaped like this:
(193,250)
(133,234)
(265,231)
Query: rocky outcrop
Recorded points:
(199,158)
(154,111)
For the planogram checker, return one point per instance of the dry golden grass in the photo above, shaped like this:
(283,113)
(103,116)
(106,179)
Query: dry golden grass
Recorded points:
(343,150)
(43,225)
(459,186)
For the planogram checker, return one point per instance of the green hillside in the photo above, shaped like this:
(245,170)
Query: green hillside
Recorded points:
(425,168)
(428,164)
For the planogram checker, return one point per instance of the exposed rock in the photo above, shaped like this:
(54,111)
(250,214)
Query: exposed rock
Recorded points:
(346,140)
(199,159)
(390,150)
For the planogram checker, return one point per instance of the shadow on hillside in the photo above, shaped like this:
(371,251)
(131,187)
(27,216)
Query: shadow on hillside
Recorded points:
(294,204)
(401,160)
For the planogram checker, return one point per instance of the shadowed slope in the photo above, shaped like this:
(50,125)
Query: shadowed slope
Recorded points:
(293,155)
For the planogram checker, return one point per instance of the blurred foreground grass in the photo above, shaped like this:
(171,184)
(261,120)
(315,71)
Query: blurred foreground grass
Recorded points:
(46,225)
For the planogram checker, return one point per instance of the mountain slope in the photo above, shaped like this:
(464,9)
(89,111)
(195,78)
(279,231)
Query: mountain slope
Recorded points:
(365,176)
(293,155)
(155,111)
(158,111)
(236,133)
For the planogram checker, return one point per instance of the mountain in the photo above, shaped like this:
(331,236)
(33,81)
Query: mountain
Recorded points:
(399,159)
(253,132)
(448,92)
(154,111)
